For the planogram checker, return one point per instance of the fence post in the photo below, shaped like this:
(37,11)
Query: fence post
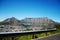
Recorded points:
(33,36)
(46,33)
(12,38)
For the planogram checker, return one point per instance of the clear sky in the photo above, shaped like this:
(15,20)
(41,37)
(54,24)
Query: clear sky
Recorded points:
(30,8)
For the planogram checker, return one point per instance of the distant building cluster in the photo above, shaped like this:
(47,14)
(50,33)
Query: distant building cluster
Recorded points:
(8,28)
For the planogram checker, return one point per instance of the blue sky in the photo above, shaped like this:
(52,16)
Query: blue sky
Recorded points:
(30,8)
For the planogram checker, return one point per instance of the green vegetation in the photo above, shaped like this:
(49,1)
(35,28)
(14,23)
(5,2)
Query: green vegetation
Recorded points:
(6,38)
(58,30)
(41,35)
(28,37)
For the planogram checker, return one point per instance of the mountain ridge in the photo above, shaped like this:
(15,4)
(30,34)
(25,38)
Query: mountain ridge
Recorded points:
(16,22)
(13,24)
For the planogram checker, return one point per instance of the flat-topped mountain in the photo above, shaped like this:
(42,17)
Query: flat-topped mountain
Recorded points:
(38,21)
(13,24)
(27,21)
(33,22)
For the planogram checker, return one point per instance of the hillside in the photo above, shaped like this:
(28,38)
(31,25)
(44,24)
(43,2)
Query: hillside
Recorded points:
(39,22)
(10,24)
(11,21)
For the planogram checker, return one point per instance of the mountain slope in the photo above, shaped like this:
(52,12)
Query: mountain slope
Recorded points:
(11,21)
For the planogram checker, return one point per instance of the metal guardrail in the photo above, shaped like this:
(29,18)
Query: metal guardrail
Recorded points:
(5,34)
(21,33)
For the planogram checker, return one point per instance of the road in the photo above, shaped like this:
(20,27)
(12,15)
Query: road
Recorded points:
(53,37)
